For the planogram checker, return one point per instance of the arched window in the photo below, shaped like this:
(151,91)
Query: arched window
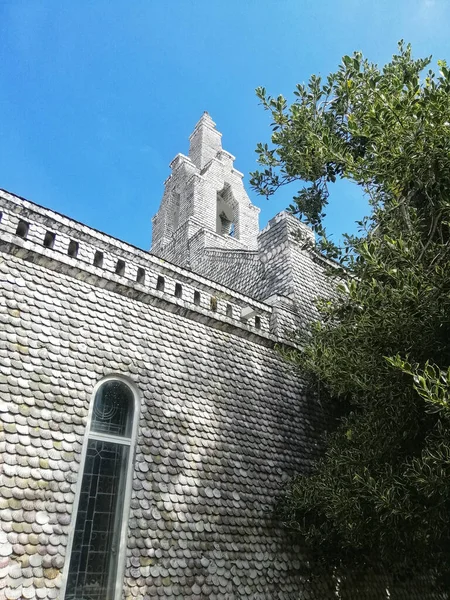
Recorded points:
(98,545)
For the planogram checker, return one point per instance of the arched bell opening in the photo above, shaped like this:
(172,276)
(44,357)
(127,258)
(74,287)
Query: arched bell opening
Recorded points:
(227,213)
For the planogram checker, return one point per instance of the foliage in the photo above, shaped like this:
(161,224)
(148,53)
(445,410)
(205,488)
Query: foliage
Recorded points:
(381,353)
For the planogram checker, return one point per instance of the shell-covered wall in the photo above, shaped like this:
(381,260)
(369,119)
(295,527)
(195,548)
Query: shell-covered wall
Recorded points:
(223,423)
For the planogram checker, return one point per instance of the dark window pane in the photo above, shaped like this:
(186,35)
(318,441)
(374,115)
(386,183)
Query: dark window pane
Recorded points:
(49,239)
(93,564)
(72,249)
(98,259)
(22,229)
(113,409)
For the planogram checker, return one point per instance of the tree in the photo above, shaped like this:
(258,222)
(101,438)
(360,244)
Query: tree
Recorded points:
(380,495)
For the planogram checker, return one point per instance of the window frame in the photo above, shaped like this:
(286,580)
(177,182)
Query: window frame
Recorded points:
(131,443)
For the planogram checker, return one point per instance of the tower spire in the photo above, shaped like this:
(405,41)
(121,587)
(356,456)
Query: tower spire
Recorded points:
(205,141)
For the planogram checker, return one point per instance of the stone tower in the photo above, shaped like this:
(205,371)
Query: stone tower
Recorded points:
(204,204)
(207,223)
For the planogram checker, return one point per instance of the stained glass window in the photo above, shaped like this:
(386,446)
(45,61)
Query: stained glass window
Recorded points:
(113,406)
(96,541)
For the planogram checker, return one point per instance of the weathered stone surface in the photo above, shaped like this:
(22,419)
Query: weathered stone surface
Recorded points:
(223,420)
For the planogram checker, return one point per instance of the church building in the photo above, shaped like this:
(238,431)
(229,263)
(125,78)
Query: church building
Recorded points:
(148,425)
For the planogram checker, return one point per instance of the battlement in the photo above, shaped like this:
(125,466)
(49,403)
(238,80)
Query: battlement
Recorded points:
(55,241)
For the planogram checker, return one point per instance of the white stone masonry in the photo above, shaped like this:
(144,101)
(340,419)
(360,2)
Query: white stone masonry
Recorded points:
(206,222)
(204,193)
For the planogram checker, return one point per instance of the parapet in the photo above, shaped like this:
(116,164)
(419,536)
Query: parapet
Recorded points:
(45,237)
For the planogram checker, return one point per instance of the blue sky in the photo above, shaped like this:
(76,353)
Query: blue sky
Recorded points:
(97,97)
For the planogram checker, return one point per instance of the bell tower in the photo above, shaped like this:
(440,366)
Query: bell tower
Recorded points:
(204,204)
